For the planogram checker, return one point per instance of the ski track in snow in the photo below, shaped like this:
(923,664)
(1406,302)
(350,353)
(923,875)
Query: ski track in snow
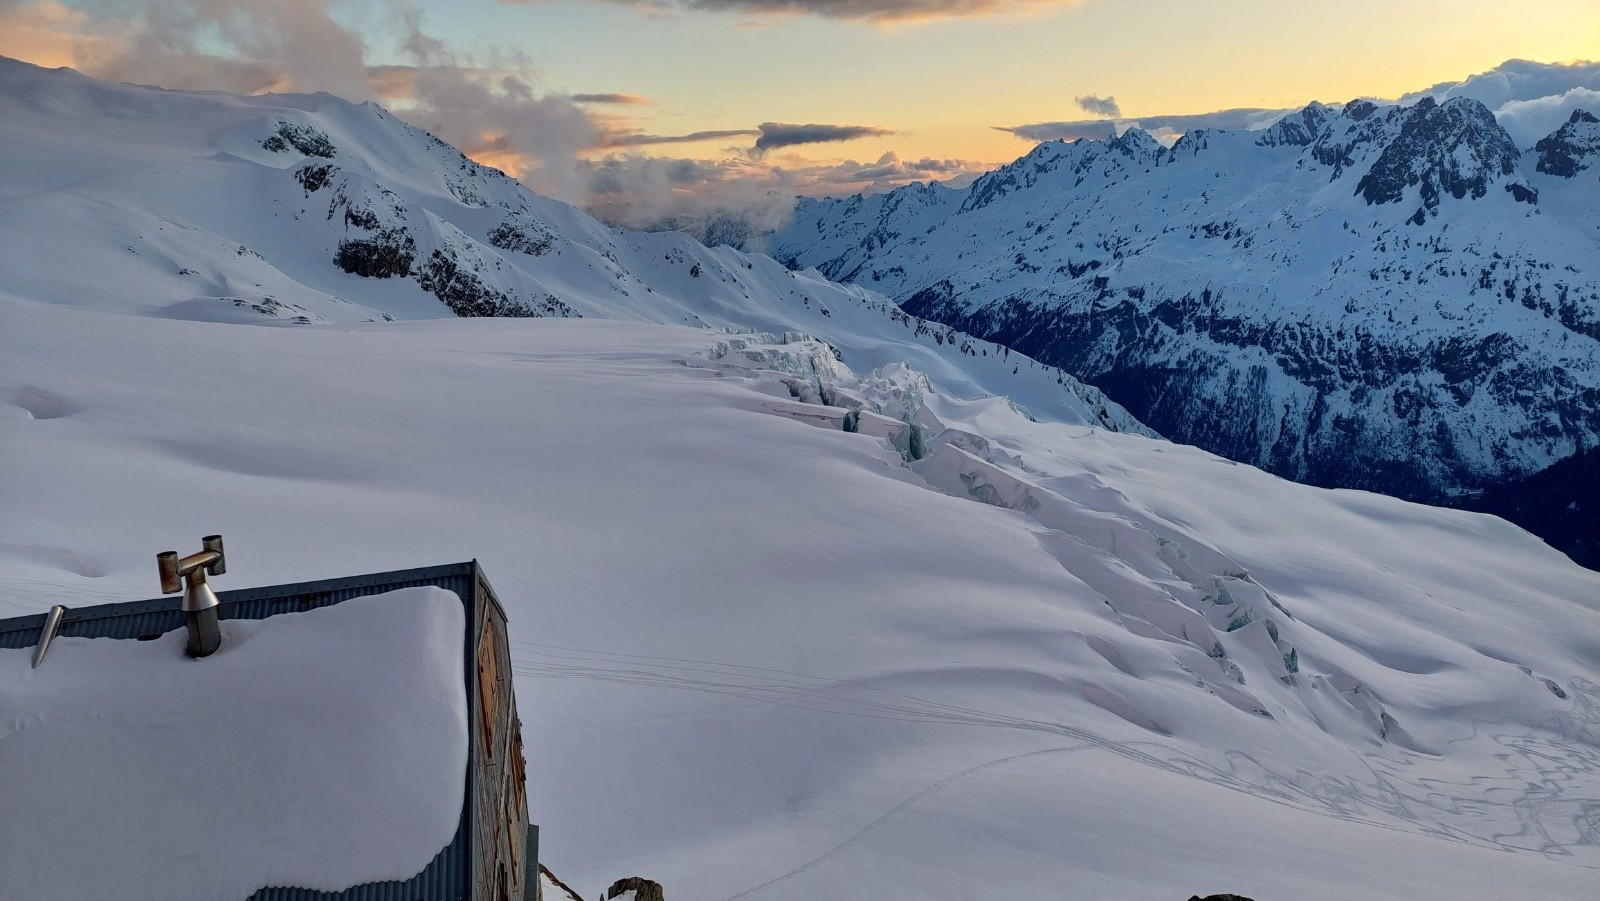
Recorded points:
(1388,793)
(894,811)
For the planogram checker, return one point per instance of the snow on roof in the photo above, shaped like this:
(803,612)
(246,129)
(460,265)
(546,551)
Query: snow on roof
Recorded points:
(321,749)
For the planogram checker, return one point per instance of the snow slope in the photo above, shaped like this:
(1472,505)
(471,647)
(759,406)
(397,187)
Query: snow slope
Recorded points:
(761,656)
(129,771)
(302,209)
(1397,298)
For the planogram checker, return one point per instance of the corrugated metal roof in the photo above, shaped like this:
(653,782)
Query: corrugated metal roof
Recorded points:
(448,877)
(133,619)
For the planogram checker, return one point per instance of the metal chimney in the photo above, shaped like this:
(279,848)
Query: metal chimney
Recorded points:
(199,601)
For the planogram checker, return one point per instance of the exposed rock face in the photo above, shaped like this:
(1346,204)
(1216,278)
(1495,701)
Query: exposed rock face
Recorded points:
(1392,298)
(1572,148)
(1299,129)
(1456,149)
(523,233)
(381,244)
(635,888)
(307,140)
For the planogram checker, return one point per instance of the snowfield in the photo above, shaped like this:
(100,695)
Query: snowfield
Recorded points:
(761,656)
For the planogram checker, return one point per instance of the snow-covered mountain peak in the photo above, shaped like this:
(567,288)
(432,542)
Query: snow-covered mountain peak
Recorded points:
(1426,150)
(1455,148)
(1138,145)
(1298,129)
(1572,148)
(1024,172)
(1068,166)
(1358,109)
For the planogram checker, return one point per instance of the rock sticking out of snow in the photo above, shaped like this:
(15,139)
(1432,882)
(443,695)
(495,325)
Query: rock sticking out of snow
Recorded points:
(635,888)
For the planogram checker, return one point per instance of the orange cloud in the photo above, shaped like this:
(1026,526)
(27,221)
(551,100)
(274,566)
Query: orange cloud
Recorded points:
(614,99)
(47,33)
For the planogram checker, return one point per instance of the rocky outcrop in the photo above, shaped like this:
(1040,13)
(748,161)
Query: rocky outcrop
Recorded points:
(1298,129)
(634,888)
(1572,148)
(307,140)
(1456,149)
(382,242)
(523,234)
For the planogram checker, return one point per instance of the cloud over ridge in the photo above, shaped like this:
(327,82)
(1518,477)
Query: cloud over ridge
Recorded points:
(695,137)
(614,99)
(781,134)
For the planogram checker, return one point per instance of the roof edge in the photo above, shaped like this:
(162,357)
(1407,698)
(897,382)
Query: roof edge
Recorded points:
(134,608)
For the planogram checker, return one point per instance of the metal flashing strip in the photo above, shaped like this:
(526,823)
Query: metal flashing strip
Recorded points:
(133,619)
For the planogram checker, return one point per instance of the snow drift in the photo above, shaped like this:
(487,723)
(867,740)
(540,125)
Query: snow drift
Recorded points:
(320,750)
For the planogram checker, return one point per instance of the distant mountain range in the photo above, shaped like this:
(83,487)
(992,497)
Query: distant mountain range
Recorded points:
(304,209)
(1393,297)
(1388,297)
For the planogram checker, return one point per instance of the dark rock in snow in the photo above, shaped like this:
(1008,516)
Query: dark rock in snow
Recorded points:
(1570,149)
(1522,193)
(520,233)
(314,178)
(467,295)
(643,889)
(566,892)
(1457,149)
(306,139)
(1298,129)
(388,253)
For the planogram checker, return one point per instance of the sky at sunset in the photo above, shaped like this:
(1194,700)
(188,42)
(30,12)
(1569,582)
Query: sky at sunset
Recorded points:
(638,98)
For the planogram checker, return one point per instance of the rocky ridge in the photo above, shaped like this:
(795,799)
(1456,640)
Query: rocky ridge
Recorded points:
(1395,298)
